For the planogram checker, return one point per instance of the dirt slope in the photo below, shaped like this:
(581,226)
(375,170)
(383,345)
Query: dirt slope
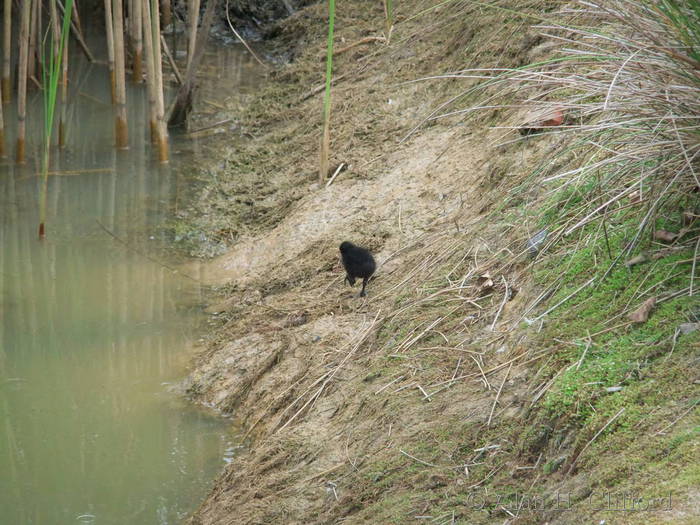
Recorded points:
(411,403)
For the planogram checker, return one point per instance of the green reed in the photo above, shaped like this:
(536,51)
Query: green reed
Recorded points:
(50,76)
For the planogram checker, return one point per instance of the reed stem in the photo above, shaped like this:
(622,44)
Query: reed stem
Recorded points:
(137,20)
(150,68)
(7,52)
(109,29)
(50,79)
(22,81)
(120,123)
(325,141)
(163,150)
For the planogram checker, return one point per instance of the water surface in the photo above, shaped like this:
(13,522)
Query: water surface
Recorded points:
(95,327)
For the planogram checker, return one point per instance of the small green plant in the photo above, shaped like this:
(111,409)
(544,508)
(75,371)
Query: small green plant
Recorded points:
(50,75)
(389,19)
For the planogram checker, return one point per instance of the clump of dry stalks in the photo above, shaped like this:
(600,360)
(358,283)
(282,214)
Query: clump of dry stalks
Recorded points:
(627,80)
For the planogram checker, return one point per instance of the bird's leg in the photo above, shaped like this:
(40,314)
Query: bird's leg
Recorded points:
(364,283)
(350,280)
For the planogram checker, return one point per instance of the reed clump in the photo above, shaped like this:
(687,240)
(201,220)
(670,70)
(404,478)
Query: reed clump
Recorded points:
(626,82)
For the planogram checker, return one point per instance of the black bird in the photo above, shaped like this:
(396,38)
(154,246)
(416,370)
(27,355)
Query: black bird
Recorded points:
(358,262)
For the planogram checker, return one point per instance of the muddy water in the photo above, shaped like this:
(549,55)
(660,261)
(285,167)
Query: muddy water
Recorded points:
(93,332)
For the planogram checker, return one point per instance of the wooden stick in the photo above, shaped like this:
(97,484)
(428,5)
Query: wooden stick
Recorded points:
(337,171)
(563,300)
(215,125)
(505,298)
(183,100)
(33,37)
(361,41)
(167,13)
(78,172)
(318,89)
(663,430)
(150,68)
(63,117)
(156,261)
(239,37)
(2,127)
(163,150)
(22,81)
(692,271)
(193,14)
(321,474)
(137,24)
(78,35)
(109,29)
(414,458)
(171,60)
(488,424)
(121,132)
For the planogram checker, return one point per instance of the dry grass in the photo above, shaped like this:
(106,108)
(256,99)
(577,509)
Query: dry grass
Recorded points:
(435,357)
(626,79)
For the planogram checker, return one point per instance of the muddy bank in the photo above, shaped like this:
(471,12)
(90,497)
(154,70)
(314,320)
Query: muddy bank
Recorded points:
(404,404)
(254,20)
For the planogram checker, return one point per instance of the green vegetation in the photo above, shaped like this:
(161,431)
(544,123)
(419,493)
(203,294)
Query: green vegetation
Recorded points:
(389,19)
(51,72)
(492,370)
(615,394)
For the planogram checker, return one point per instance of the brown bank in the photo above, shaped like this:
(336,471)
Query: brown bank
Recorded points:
(428,400)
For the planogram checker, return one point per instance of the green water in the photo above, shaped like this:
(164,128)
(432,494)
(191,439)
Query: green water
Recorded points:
(93,334)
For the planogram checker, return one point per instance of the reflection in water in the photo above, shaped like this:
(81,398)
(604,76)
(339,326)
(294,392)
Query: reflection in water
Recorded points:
(91,333)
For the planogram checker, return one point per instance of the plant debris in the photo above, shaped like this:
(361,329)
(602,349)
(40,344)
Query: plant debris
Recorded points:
(641,314)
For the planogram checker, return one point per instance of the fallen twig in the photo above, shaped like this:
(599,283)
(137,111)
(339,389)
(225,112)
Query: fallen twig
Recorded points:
(505,298)
(320,88)
(495,401)
(335,174)
(361,41)
(388,385)
(663,430)
(416,459)
(530,321)
(171,60)
(241,39)
(210,126)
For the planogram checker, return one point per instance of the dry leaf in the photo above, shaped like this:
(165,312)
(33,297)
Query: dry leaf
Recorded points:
(665,236)
(485,283)
(639,259)
(641,314)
